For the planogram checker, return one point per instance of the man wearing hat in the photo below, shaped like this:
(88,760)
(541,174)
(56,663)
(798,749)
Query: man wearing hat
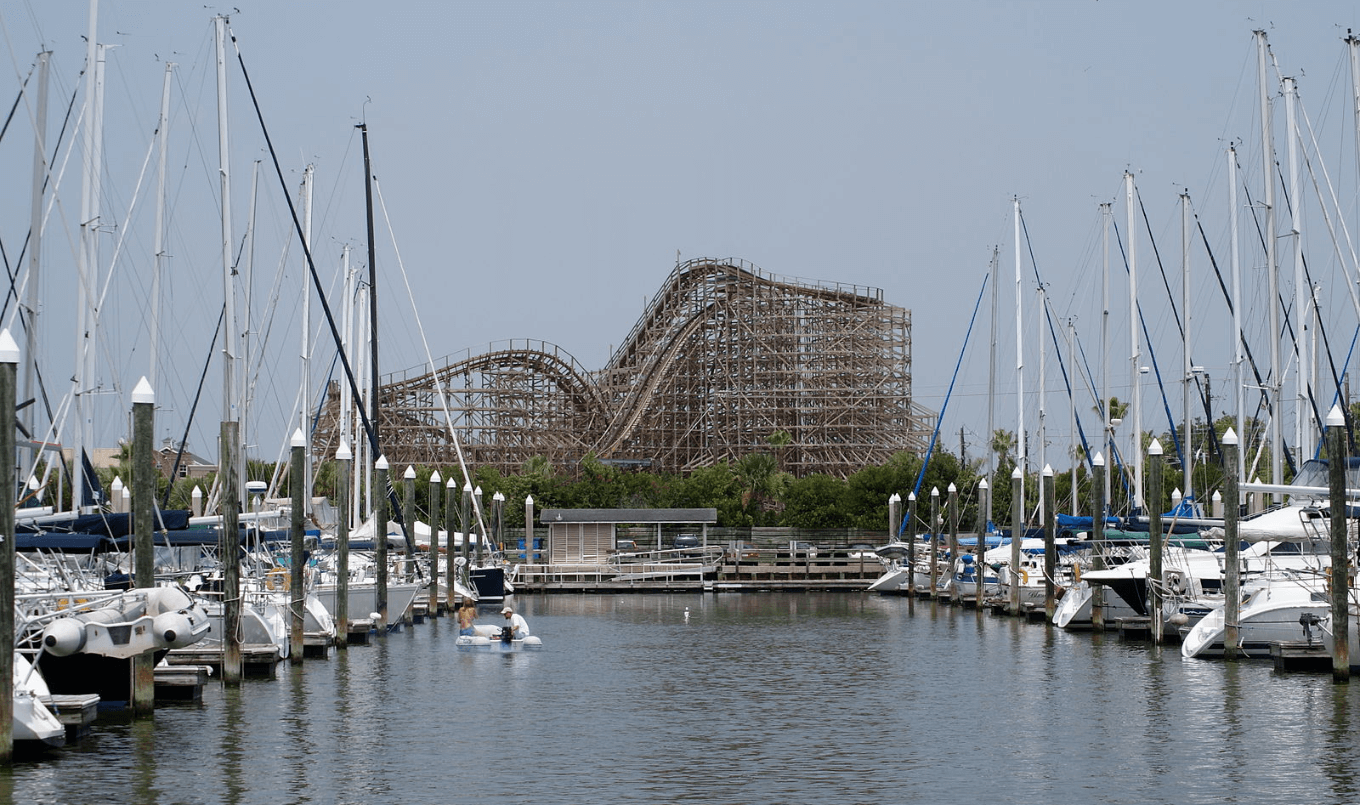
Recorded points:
(519,628)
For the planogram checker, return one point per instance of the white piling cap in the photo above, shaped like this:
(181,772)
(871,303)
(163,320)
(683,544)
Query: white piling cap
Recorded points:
(1099,459)
(435,479)
(1230,437)
(117,482)
(299,440)
(1048,470)
(381,463)
(410,473)
(142,393)
(911,496)
(934,491)
(1335,417)
(452,483)
(498,496)
(952,489)
(343,453)
(529,500)
(1217,496)
(477,491)
(1016,473)
(467,486)
(197,493)
(894,498)
(1155,449)
(982,484)
(9,350)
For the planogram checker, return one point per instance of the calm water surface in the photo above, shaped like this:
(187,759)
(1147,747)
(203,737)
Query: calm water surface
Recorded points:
(754,698)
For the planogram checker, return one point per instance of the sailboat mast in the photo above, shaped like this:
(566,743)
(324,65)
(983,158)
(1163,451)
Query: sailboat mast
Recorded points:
(163,135)
(1302,297)
(1042,433)
(1019,350)
(28,414)
(304,418)
(1239,377)
(1268,201)
(88,280)
(230,403)
(1107,216)
(991,392)
(1135,350)
(1072,410)
(372,303)
(1187,370)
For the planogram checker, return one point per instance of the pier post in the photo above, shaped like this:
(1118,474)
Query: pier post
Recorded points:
(934,541)
(436,492)
(343,457)
(143,509)
(380,540)
(297,482)
(408,519)
(1232,601)
(450,526)
(1156,464)
(1098,539)
(229,548)
(894,510)
(9,369)
(476,512)
(1340,578)
(529,530)
(1017,535)
(911,544)
(984,517)
(1050,543)
(953,541)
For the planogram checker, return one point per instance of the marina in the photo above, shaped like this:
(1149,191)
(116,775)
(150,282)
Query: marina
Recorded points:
(769,698)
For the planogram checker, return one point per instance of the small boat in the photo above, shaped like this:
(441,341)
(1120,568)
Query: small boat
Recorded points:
(33,722)
(497,644)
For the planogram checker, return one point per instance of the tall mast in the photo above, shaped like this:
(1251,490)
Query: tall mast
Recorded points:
(230,402)
(162,137)
(1268,201)
(1135,350)
(1302,296)
(1072,410)
(1239,377)
(305,419)
(89,260)
(28,414)
(1019,350)
(991,389)
(1187,370)
(1107,216)
(1042,433)
(372,304)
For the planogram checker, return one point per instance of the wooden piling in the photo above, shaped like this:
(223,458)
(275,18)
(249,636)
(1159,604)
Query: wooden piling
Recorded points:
(343,457)
(436,492)
(229,548)
(465,524)
(1017,535)
(953,540)
(1232,601)
(934,540)
(1098,539)
(450,567)
(143,701)
(408,520)
(1156,541)
(9,361)
(297,475)
(380,540)
(1340,578)
(1050,543)
(911,544)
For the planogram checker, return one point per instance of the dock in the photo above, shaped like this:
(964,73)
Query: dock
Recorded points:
(734,571)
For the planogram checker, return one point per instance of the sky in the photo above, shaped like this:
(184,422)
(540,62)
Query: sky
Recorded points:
(542,166)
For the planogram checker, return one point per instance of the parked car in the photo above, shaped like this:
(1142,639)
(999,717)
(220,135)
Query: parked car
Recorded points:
(626,545)
(686,541)
(805,548)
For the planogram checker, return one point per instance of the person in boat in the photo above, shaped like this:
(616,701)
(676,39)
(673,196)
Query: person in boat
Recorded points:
(467,613)
(519,628)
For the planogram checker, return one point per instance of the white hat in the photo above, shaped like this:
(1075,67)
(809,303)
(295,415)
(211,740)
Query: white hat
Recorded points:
(507,611)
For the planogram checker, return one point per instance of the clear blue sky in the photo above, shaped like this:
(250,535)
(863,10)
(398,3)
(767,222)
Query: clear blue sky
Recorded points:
(543,163)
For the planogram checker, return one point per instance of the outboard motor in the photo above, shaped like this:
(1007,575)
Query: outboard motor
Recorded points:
(1308,620)
(507,634)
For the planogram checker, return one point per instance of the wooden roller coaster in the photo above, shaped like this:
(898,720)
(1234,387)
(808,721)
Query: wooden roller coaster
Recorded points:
(723,357)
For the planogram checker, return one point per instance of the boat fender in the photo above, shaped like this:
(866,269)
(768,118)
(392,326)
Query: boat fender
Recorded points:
(63,637)
(1175,581)
(1024,577)
(177,629)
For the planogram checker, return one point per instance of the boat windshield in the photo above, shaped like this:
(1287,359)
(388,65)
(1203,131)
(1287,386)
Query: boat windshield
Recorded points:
(1314,473)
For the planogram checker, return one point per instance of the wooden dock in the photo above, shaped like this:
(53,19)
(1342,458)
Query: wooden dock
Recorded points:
(256,659)
(76,712)
(181,683)
(753,570)
(1299,655)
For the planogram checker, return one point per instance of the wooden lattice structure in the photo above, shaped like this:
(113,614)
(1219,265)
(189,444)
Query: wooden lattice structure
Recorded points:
(723,357)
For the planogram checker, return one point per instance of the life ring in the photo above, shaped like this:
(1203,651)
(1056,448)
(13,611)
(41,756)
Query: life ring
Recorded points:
(277,579)
(1024,577)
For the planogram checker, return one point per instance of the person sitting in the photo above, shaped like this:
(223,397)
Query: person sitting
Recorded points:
(467,613)
(519,628)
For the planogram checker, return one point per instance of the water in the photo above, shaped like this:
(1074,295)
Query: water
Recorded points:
(755,698)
